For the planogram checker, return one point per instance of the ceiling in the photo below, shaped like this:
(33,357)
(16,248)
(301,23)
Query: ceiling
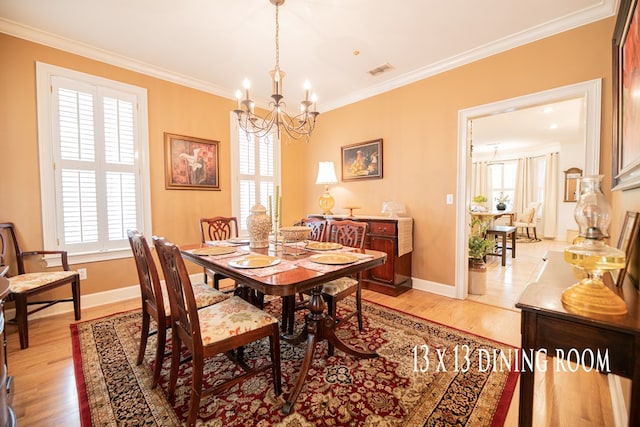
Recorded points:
(213,45)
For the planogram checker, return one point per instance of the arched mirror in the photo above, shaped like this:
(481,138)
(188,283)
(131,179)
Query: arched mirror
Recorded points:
(571,176)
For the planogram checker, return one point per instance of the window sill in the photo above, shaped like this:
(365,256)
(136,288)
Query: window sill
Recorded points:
(55,261)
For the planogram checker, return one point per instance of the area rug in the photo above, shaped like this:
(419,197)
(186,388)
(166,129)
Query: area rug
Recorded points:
(427,374)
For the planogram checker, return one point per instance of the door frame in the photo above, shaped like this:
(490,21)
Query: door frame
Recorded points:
(590,91)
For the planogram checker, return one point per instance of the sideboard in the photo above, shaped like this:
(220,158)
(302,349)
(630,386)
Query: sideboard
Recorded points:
(393,236)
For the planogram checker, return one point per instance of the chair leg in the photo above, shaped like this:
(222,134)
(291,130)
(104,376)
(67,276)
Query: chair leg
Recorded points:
(176,346)
(528,237)
(75,290)
(196,392)
(144,335)
(21,319)
(216,281)
(206,276)
(274,342)
(162,342)
(331,309)
(359,306)
(535,234)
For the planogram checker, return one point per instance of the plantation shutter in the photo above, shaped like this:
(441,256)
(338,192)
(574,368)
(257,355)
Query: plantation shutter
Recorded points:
(257,171)
(95,166)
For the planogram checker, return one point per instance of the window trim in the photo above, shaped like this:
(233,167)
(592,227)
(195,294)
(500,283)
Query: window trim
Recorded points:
(44,96)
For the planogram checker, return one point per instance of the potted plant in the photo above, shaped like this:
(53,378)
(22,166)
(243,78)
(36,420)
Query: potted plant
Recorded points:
(502,201)
(478,203)
(479,247)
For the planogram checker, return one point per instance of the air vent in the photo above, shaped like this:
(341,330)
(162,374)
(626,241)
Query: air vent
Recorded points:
(381,69)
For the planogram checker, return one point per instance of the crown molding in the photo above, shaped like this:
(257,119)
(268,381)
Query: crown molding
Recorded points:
(605,9)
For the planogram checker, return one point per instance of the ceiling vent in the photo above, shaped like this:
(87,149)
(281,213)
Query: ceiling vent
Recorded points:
(381,69)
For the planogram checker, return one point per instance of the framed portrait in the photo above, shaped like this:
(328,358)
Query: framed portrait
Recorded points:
(627,241)
(191,163)
(626,108)
(362,160)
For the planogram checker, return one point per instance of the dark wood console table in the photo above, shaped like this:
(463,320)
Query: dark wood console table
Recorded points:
(547,325)
(393,277)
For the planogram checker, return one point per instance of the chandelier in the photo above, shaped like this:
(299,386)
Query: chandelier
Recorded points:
(277,119)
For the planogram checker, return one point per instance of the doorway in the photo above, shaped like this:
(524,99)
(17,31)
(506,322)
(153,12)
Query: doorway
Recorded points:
(589,91)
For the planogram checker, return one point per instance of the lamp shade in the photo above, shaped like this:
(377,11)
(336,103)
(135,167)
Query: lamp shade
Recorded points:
(326,173)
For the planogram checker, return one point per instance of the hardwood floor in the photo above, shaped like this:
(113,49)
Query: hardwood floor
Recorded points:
(45,391)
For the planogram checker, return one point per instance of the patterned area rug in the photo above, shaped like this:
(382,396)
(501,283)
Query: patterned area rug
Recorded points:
(427,375)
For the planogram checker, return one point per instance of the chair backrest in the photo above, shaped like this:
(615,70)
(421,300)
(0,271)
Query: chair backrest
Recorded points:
(9,240)
(150,289)
(317,227)
(347,233)
(218,228)
(184,311)
(528,215)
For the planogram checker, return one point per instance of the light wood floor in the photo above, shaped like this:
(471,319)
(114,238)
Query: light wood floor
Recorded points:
(45,391)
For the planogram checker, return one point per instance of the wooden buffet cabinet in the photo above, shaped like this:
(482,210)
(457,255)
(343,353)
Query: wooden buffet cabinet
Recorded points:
(393,277)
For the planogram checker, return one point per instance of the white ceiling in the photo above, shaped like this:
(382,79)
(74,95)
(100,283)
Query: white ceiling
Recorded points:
(213,45)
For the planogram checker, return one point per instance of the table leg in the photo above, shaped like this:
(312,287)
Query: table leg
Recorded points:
(528,330)
(504,249)
(319,326)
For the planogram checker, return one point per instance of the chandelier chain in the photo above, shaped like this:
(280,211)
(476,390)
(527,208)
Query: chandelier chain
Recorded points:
(277,40)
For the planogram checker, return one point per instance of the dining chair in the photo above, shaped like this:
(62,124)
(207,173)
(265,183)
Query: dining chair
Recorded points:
(527,220)
(318,227)
(155,300)
(217,228)
(352,234)
(25,285)
(217,329)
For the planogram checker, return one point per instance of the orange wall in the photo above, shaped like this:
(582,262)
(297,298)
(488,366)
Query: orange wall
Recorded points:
(172,108)
(417,122)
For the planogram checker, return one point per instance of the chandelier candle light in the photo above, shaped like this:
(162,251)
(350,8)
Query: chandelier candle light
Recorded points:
(277,119)
(589,252)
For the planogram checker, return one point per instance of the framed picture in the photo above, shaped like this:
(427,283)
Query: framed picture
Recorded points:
(191,163)
(626,108)
(362,160)
(627,241)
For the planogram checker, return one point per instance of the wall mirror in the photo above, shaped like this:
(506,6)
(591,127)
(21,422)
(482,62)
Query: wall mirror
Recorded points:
(571,176)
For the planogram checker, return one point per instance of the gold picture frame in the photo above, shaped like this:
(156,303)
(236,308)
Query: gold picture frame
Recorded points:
(362,160)
(191,163)
(628,241)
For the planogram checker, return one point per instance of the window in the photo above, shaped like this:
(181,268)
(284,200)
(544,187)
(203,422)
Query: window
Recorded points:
(93,163)
(255,168)
(503,180)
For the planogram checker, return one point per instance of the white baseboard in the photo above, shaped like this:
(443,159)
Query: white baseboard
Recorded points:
(434,288)
(618,406)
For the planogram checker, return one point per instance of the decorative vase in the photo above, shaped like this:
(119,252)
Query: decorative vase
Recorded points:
(501,206)
(259,226)
(477,276)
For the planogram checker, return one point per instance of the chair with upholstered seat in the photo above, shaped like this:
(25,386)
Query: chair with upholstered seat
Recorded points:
(527,220)
(155,300)
(217,228)
(352,234)
(26,285)
(218,329)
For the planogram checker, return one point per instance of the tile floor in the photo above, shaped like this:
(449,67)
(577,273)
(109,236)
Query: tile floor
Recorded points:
(505,284)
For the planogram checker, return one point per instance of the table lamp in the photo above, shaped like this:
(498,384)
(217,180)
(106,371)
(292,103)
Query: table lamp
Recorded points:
(589,253)
(326,176)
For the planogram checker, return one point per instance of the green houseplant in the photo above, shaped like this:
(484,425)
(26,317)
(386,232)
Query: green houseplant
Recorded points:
(479,247)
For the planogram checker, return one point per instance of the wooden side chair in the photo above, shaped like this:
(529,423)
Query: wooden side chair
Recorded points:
(155,300)
(26,285)
(352,234)
(217,329)
(217,228)
(318,227)
(527,220)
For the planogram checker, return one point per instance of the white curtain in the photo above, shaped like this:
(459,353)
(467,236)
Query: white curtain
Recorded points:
(550,203)
(480,179)
(522,198)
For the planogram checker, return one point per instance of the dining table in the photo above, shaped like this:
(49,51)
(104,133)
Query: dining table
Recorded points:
(287,273)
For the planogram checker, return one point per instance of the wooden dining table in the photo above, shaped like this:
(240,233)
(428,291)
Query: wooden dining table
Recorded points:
(294,273)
